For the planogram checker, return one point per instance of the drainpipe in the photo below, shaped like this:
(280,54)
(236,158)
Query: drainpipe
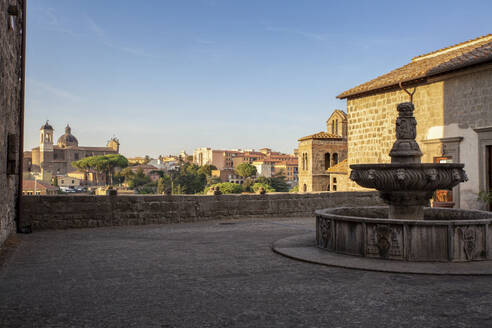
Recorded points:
(20,228)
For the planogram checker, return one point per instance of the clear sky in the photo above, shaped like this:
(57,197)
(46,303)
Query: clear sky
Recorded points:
(165,76)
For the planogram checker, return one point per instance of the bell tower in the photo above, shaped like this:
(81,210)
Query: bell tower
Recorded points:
(46,137)
(46,151)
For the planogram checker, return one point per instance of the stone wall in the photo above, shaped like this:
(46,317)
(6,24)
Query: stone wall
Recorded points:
(446,108)
(11,92)
(60,212)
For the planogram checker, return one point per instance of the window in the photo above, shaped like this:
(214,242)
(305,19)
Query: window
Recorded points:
(332,127)
(327,161)
(76,156)
(335,159)
(336,127)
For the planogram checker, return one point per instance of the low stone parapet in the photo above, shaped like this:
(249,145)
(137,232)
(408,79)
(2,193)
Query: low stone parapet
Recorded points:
(74,211)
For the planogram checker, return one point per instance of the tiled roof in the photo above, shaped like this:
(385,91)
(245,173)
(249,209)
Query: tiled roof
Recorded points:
(321,135)
(448,59)
(341,167)
(29,185)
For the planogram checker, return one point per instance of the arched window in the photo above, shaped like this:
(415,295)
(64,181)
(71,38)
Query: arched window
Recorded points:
(327,161)
(335,159)
(304,188)
(336,127)
(332,127)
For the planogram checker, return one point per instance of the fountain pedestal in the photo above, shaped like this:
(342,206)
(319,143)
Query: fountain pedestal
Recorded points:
(406,184)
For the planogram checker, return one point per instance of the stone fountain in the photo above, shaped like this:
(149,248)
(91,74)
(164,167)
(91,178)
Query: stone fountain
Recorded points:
(406,230)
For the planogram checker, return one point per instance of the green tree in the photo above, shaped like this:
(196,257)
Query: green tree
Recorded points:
(256,187)
(164,184)
(295,189)
(207,169)
(227,188)
(246,170)
(137,180)
(102,164)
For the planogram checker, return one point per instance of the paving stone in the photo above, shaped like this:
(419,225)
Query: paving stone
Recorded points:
(216,275)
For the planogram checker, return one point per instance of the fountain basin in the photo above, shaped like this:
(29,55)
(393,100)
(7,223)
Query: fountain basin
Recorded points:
(408,176)
(407,187)
(445,235)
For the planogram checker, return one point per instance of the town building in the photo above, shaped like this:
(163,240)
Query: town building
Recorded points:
(221,159)
(50,159)
(453,108)
(65,181)
(289,169)
(338,176)
(34,187)
(320,151)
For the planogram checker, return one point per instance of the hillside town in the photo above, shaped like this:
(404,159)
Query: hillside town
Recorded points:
(321,162)
(245,164)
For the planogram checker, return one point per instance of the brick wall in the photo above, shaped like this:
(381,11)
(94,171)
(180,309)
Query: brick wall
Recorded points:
(10,105)
(60,212)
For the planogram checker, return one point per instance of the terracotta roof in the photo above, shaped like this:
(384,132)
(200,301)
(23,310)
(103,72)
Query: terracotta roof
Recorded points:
(321,135)
(29,185)
(341,167)
(444,60)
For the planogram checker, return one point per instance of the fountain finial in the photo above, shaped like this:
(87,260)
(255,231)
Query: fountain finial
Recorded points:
(405,149)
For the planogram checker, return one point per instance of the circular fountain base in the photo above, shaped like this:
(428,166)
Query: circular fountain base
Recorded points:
(303,248)
(445,235)
(446,241)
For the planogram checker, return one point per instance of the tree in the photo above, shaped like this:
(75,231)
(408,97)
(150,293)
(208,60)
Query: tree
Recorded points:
(137,180)
(246,170)
(256,187)
(102,164)
(207,169)
(164,184)
(228,188)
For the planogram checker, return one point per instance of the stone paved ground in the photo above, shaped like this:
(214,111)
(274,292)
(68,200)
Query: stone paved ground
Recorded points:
(216,275)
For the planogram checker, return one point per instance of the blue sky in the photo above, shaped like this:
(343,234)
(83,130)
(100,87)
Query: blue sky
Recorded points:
(170,75)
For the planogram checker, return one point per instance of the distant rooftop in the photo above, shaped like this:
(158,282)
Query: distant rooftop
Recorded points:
(321,136)
(341,167)
(465,54)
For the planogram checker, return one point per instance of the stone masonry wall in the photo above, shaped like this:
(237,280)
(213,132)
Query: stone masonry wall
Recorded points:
(10,105)
(61,212)
(315,177)
(371,122)
(450,107)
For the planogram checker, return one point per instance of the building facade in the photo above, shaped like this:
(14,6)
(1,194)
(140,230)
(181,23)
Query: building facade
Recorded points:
(320,151)
(50,159)
(453,108)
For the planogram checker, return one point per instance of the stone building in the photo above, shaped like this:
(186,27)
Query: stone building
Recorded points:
(12,72)
(51,159)
(338,176)
(453,107)
(34,187)
(221,159)
(320,151)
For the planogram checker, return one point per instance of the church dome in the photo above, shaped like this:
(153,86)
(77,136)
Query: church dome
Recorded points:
(68,140)
(46,126)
